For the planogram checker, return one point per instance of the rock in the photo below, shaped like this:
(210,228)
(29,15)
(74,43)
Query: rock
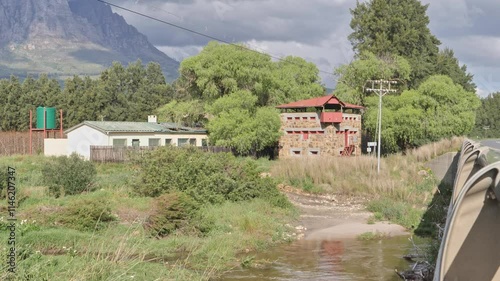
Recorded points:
(423,173)
(300,227)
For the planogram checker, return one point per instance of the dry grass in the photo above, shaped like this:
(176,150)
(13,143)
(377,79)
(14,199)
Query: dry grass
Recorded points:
(358,175)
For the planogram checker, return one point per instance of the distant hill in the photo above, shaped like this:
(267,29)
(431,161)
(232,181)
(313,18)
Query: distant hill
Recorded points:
(67,37)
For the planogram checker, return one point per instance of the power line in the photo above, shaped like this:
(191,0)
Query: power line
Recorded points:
(203,34)
(380,91)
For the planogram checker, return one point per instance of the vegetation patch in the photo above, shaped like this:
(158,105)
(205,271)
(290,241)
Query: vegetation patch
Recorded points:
(68,175)
(206,177)
(368,236)
(171,211)
(87,215)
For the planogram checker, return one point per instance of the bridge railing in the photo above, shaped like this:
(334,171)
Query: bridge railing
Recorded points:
(470,247)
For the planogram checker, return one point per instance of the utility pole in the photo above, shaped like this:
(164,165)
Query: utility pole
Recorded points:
(384,87)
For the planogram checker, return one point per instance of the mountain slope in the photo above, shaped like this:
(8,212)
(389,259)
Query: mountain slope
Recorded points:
(66,37)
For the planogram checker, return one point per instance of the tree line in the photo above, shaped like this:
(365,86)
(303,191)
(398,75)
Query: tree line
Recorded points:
(233,91)
(226,88)
(118,94)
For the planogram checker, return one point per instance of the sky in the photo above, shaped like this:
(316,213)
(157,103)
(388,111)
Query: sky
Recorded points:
(315,30)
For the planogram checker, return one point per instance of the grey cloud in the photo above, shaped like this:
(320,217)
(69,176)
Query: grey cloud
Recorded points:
(239,20)
(469,27)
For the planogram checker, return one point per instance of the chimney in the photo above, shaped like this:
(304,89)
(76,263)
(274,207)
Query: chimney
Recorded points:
(152,118)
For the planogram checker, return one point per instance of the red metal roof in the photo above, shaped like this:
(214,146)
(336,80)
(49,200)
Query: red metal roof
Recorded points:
(353,106)
(318,102)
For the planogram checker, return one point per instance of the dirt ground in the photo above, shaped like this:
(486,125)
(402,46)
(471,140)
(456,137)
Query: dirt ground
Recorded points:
(329,217)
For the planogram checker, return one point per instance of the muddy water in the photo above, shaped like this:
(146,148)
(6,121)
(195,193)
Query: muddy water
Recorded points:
(329,260)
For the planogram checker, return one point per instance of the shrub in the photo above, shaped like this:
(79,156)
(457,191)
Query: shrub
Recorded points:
(399,212)
(87,215)
(68,175)
(171,211)
(206,177)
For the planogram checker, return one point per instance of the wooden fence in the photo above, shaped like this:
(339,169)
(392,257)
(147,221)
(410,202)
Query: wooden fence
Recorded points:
(19,143)
(108,153)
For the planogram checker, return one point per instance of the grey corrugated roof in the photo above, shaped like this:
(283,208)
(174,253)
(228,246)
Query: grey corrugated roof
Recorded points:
(136,127)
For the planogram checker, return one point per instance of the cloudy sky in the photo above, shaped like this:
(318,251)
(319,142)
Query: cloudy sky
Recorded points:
(316,30)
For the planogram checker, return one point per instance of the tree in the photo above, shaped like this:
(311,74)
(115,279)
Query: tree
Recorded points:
(352,77)
(14,117)
(186,113)
(447,64)
(438,109)
(237,88)
(237,122)
(397,27)
(219,70)
(293,79)
(488,117)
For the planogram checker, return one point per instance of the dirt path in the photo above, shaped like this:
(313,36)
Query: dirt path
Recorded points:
(333,217)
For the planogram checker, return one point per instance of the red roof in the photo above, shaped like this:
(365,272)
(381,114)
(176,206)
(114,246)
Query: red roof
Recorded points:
(318,102)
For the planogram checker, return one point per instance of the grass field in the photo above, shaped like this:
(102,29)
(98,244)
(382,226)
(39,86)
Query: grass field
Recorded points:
(51,245)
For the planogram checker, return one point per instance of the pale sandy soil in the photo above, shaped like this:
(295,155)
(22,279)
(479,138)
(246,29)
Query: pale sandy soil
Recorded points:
(332,217)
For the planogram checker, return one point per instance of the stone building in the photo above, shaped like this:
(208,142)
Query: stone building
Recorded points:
(320,126)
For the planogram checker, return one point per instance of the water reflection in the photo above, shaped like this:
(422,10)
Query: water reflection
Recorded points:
(329,260)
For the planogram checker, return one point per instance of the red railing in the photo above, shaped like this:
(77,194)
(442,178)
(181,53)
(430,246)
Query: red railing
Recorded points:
(331,117)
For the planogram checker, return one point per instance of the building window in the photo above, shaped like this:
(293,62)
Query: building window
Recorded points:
(168,141)
(314,151)
(304,118)
(135,142)
(154,142)
(313,117)
(182,142)
(297,118)
(204,142)
(295,151)
(192,142)
(289,118)
(119,142)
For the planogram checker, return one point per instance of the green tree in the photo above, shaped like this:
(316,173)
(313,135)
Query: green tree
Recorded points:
(149,90)
(14,117)
(220,70)
(488,117)
(438,109)
(237,87)
(237,122)
(397,27)
(186,113)
(352,77)
(111,98)
(293,79)
(447,64)
(223,69)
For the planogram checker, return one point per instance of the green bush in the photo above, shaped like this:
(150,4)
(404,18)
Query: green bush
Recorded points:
(87,215)
(68,175)
(171,211)
(206,177)
(399,212)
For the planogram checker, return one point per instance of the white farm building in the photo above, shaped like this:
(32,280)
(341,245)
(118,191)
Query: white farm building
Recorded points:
(120,134)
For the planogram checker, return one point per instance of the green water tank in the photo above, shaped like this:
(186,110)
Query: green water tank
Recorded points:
(50,121)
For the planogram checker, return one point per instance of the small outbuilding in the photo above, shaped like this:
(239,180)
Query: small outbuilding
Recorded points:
(136,134)
(320,126)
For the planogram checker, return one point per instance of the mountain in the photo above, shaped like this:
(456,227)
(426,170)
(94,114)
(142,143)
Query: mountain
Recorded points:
(67,37)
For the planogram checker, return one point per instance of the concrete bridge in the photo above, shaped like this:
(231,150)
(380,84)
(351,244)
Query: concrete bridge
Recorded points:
(470,247)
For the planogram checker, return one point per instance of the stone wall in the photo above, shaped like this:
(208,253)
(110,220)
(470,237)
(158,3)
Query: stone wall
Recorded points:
(304,134)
